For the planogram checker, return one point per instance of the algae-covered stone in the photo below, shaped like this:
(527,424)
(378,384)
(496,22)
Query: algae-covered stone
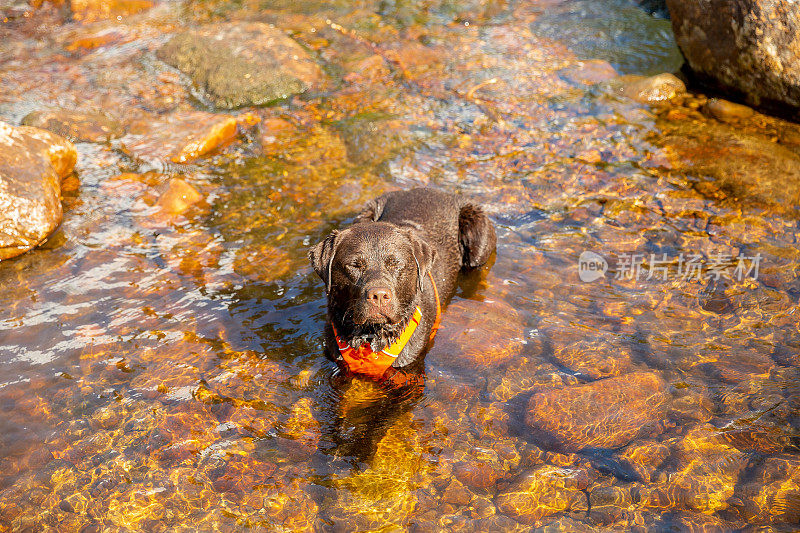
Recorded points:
(240,64)
(604,414)
(32,165)
(90,127)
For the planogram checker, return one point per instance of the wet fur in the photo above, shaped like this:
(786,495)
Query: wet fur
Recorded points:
(431,231)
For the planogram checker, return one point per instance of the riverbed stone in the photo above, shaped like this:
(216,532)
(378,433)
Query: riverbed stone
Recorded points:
(607,413)
(32,164)
(74,125)
(595,358)
(180,137)
(653,89)
(178,197)
(706,468)
(645,457)
(772,495)
(751,47)
(499,339)
(94,10)
(544,491)
(727,111)
(241,64)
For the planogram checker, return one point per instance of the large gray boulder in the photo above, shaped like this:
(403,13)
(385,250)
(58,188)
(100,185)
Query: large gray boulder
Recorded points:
(32,165)
(242,64)
(749,47)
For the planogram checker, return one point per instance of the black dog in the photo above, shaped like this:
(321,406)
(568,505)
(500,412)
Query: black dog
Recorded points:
(388,275)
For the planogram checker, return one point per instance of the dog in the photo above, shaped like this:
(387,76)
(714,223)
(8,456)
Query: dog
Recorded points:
(388,275)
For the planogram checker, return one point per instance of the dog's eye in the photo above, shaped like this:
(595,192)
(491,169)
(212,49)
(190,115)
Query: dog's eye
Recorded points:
(356,266)
(392,263)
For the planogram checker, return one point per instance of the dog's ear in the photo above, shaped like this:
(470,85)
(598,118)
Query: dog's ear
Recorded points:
(424,255)
(321,256)
(476,236)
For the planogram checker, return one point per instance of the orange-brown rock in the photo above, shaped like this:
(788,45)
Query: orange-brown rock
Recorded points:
(660,88)
(32,164)
(178,197)
(90,127)
(180,137)
(596,358)
(645,457)
(93,10)
(478,475)
(544,491)
(604,414)
(772,494)
(705,469)
(461,342)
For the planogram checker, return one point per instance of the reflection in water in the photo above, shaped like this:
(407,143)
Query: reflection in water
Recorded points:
(161,355)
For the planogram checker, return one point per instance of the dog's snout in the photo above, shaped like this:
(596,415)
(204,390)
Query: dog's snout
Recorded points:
(379,296)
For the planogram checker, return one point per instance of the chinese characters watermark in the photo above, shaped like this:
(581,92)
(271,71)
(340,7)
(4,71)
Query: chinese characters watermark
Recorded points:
(684,267)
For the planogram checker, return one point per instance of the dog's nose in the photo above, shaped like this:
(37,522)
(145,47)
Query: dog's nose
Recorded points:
(379,296)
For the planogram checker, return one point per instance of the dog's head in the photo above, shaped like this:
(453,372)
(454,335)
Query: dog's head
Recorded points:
(373,273)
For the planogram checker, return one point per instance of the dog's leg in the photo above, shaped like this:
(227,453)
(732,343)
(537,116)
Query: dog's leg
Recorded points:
(476,236)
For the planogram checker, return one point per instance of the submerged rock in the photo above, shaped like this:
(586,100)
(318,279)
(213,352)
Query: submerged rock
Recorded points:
(773,493)
(240,64)
(32,165)
(180,137)
(89,127)
(727,111)
(595,358)
(94,10)
(706,470)
(546,490)
(178,197)
(499,338)
(604,414)
(749,46)
(657,88)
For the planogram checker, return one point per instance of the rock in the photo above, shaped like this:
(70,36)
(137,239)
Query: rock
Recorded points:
(546,490)
(772,496)
(590,72)
(645,457)
(180,137)
(459,342)
(727,111)
(654,89)
(94,10)
(743,164)
(607,413)
(595,358)
(751,47)
(75,126)
(456,494)
(706,470)
(241,64)
(477,475)
(178,197)
(32,164)
(608,504)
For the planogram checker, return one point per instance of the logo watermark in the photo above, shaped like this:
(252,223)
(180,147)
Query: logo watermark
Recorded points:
(591,266)
(685,267)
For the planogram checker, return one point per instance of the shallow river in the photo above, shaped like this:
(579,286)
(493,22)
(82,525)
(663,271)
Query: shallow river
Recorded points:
(162,370)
